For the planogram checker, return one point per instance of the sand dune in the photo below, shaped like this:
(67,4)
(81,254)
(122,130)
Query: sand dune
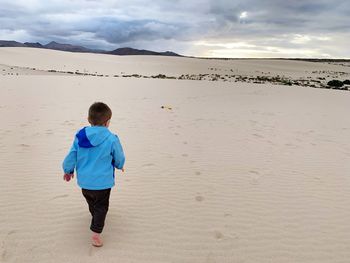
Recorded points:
(234,172)
(150,65)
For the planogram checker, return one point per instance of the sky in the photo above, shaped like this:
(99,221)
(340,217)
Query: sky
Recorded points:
(203,28)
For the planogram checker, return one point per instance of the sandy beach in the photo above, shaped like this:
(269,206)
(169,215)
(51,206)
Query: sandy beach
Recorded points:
(232,172)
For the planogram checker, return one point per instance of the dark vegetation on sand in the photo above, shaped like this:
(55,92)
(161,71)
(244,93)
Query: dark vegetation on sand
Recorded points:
(318,82)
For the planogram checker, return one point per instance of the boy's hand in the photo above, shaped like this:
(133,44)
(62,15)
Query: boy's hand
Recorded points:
(123,170)
(67,177)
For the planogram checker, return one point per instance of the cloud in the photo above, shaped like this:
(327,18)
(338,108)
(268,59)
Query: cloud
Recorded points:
(267,27)
(117,31)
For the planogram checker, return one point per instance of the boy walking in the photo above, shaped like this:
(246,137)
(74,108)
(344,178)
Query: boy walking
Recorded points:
(95,153)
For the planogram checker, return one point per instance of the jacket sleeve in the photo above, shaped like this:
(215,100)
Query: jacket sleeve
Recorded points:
(118,154)
(70,160)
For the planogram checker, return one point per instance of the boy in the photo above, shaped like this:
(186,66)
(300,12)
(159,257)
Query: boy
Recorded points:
(94,154)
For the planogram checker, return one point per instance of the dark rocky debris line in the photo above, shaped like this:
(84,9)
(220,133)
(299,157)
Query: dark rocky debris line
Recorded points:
(319,82)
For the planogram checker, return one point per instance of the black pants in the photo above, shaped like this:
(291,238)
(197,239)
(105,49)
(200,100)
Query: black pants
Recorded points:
(98,201)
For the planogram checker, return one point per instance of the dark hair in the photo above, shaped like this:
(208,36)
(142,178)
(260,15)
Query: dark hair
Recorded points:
(99,114)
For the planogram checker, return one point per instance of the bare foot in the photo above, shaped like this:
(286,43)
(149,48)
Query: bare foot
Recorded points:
(96,240)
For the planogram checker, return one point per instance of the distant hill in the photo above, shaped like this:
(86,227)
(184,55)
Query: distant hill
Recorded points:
(72,48)
(67,47)
(37,45)
(169,53)
(5,43)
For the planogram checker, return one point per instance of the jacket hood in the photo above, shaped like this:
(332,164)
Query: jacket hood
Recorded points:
(89,137)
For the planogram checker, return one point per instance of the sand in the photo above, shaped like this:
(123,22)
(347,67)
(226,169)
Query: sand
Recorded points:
(234,172)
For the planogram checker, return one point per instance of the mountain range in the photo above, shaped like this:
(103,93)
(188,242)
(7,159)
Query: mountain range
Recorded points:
(73,48)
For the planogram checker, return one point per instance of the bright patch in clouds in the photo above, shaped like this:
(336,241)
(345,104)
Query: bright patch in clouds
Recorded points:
(303,39)
(245,49)
(267,52)
(243,15)
(229,45)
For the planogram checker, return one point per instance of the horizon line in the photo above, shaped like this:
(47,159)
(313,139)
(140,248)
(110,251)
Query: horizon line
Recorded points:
(311,59)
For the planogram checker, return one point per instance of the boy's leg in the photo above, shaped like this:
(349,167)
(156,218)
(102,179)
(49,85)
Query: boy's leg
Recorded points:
(90,199)
(100,207)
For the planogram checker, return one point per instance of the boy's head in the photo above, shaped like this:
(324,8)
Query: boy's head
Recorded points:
(99,114)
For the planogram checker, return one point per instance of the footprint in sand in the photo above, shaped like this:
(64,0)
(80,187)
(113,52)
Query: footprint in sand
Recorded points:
(270,142)
(199,198)
(184,155)
(92,250)
(255,176)
(185,142)
(291,145)
(218,235)
(11,232)
(253,121)
(258,135)
(68,123)
(4,255)
(197,173)
(24,145)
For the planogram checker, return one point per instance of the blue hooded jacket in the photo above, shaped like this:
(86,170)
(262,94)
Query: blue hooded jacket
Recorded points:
(94,154)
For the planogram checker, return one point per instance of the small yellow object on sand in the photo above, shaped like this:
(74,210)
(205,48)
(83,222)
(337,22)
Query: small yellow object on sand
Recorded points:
(166,107)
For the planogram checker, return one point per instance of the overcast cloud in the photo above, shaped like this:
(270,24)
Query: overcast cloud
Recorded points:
(213,28)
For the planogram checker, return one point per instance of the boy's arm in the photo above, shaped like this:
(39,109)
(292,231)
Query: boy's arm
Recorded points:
(118,154)
(70,160)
